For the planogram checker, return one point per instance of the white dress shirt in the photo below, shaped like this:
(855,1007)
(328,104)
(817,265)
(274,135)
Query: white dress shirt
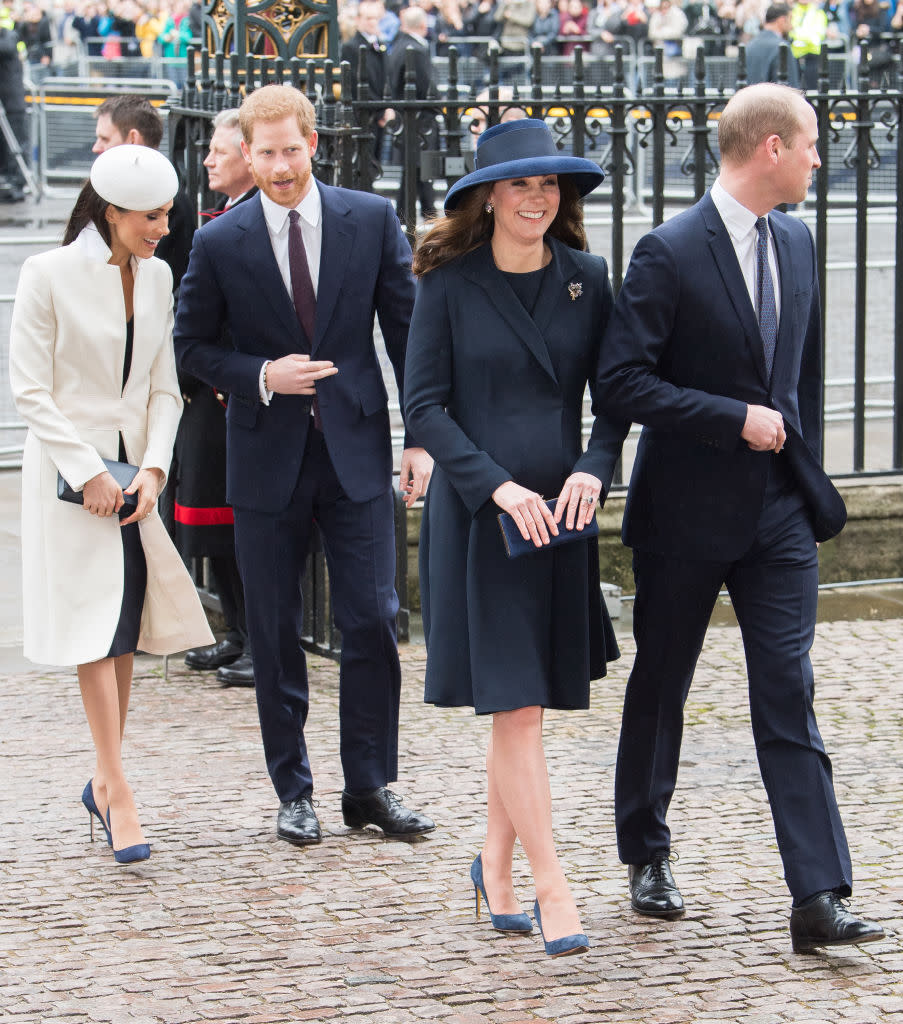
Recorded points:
(276,216)
(741,226)
(230,202)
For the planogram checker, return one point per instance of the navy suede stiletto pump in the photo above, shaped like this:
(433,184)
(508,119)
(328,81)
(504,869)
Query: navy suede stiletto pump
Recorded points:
(519,923)
(567,945)
(91,806)
(129,854)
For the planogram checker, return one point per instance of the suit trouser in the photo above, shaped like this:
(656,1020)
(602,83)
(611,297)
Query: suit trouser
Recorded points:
(359,541)
(774,590)
(227,581)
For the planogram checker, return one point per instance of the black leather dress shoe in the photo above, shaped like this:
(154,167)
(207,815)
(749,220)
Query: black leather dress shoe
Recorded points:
(239,673)
(824,920)
(297,822)
(215,656)
(653,890)
(384,809)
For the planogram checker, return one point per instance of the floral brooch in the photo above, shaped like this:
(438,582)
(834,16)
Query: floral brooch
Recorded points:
(575,290)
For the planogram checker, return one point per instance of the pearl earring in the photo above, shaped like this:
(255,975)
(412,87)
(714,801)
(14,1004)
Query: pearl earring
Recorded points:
(488,207)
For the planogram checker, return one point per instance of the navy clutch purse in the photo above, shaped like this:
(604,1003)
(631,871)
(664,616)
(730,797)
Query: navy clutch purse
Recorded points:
(515,545)
(122,472)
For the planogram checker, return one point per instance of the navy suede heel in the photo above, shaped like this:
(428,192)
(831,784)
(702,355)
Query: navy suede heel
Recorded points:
(91,806)
(565,946)
(501,922)
(129,854)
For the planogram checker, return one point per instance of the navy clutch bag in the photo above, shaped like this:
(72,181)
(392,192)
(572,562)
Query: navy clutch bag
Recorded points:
(515,545)
(122,472)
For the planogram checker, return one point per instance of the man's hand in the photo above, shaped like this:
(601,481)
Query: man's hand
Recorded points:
(763,430)
(416,469)
(297,374)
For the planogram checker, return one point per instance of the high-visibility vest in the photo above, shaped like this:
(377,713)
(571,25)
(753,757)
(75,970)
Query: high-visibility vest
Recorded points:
(808,29)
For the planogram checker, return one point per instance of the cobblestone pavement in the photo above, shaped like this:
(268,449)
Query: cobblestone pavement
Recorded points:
(226,923)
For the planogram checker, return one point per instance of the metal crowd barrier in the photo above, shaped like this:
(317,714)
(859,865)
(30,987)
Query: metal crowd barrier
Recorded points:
(65,120)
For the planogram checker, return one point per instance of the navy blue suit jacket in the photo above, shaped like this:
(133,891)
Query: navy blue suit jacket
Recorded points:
(683,356)
(233,278)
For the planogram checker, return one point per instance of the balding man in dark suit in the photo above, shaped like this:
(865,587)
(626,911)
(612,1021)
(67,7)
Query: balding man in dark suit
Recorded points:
(715,347)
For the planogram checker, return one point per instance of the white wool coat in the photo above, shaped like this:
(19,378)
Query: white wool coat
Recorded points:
(67,346)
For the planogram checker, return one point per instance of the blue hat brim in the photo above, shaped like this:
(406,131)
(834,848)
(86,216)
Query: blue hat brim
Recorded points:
(584,173)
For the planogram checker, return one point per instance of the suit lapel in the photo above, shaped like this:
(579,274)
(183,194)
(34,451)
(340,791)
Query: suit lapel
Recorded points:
(480,268)
(338,240)
(261,264)
(728,266)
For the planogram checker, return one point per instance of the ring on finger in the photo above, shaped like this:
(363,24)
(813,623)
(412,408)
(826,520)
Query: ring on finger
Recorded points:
(589,500)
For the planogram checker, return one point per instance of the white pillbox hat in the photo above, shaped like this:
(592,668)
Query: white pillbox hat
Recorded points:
(134,177)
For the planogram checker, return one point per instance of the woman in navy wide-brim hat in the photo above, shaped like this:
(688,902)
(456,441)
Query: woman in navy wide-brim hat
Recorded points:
(505,335)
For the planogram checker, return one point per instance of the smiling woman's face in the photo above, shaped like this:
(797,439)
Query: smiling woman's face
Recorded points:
(524,208)
(138,232)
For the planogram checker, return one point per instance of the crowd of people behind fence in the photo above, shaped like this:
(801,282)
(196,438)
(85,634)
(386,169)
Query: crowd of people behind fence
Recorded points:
(52,35)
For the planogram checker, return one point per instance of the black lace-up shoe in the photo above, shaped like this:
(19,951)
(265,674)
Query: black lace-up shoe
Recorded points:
(823,920)
(653,890)
(239,673)
(206,659)
(384,809)
(297,822)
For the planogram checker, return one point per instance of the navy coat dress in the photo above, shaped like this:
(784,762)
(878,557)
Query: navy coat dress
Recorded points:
(494,395)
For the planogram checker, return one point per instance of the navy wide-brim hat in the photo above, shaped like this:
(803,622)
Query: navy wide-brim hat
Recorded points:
(522,149)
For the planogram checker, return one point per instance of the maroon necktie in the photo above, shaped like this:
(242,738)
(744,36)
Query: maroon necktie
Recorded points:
(302,292)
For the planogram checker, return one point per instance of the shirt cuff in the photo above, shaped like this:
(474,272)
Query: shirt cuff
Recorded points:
(265,395)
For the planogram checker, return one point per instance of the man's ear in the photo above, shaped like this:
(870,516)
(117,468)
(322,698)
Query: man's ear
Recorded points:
(134,137)
(771,147)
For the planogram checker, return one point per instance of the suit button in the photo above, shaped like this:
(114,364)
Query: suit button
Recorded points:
(220,397)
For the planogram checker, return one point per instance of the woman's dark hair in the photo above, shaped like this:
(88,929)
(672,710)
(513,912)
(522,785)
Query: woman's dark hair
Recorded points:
(89,209)
(469,226)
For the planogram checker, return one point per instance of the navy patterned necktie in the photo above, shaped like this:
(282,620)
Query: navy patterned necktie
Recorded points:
(302,292)
(766,310)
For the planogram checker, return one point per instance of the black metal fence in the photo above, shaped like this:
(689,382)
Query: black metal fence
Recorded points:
(653,136)
(655,141)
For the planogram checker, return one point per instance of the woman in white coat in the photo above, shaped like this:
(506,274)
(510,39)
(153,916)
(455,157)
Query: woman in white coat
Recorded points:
(93,375)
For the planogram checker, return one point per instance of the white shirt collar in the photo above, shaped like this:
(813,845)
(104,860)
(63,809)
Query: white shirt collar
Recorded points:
(738,220)
(231,202)
(310,210)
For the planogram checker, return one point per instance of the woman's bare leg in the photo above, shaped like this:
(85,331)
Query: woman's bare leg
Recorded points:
(100,688)
(498,848)
(522,783)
